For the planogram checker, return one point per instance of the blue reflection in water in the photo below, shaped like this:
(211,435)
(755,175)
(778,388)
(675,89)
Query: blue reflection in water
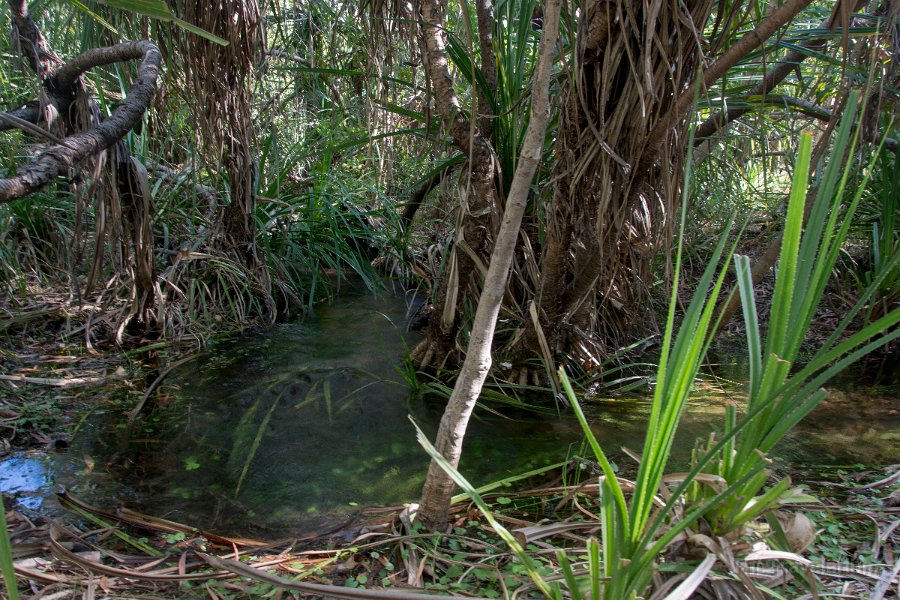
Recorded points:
(26,479)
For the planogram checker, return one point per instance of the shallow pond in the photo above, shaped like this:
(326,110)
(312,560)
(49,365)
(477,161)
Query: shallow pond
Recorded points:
(296,429)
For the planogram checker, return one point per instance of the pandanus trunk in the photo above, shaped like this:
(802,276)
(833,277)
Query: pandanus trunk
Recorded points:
(608,215)
(478,216)
(116,182)
(219,88)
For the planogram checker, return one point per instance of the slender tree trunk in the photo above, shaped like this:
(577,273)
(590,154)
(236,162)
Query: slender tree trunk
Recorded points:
(438,486)
(485,11)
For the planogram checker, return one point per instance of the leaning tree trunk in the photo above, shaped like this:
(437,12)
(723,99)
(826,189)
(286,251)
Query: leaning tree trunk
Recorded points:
(438,486)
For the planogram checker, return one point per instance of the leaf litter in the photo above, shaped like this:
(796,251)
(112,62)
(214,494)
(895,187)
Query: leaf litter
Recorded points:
(381,553)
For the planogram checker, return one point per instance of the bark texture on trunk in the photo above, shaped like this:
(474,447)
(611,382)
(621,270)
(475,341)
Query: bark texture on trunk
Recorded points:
(484,9)
(56,159)
(439,487)
(478,211)
(618,166)
(219,83)
(607,219)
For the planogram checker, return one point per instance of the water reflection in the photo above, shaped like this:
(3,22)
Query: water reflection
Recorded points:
(296,429)
(26,478)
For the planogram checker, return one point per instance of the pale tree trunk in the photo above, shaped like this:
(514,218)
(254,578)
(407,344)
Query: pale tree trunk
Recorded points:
(438,487)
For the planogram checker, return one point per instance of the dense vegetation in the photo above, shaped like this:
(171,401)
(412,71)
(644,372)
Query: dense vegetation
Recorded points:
(543,175)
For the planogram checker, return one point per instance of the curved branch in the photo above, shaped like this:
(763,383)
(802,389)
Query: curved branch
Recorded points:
(770,79)
(715,122)
(46,166)
(30,113)
(783,15)
(810,109)
(67,74)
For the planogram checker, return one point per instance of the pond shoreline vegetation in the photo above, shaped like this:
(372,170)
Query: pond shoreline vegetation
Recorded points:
(517,167)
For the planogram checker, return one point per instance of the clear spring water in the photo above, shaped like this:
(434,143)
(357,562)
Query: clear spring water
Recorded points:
(293,430)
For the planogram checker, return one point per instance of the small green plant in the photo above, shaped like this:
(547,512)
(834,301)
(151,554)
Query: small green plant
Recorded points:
(174,538)
(725,484)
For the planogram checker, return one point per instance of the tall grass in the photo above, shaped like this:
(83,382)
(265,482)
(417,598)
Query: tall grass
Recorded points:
(780,394)
(879,212)
(631,540)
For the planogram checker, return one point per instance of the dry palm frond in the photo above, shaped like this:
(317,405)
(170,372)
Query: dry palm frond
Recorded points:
(631,61)
(62,555)
(219,89)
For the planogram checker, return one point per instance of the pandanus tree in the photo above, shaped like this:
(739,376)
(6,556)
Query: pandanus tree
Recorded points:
(216,73)
(218,83)
(65,122)
(627,81)
(633,72)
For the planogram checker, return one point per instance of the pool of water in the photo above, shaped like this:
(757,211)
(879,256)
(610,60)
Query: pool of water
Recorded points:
(296,429)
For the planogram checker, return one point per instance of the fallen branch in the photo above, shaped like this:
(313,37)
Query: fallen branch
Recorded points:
(327,591)
(52,381)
